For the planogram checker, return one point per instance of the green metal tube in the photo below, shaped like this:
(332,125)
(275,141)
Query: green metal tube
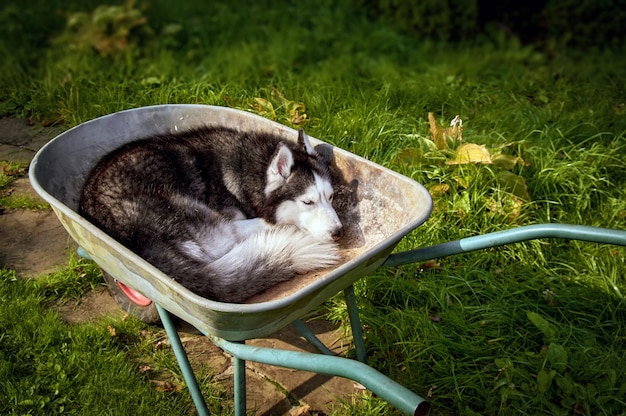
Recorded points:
(82,253)
(240,385)
(394,393)
(515,235)
(355,324)
(183,361)
(310,337)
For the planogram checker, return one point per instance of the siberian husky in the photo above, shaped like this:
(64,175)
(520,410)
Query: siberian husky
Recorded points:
(227,214)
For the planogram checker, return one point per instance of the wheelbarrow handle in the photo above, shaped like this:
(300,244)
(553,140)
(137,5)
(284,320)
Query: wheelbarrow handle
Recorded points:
(515,235)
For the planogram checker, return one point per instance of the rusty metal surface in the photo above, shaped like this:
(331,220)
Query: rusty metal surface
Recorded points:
(377,206)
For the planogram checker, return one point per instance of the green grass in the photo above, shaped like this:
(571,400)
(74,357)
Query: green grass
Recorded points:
(9,173)
(531,328)
(107,367)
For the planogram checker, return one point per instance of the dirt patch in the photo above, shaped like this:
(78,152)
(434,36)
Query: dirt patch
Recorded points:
(92,307)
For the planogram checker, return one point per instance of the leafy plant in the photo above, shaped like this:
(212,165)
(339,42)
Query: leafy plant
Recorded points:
(110,30)
(447,150)
(9,173)
(280,108)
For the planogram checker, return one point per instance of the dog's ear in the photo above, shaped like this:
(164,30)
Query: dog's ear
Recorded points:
(303,141)
(326,154)
(279,168)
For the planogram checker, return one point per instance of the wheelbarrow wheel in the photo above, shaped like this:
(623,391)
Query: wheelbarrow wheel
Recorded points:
(131,301)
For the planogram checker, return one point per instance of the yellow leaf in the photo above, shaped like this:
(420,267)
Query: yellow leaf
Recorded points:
(262,105)
(439,189)
(441,135)
(297,118)
(437,132)
(165,386)
(470,153)
(111,330)
(279,96)
(503,161)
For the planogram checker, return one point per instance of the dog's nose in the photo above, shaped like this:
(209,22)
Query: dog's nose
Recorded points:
(337,233)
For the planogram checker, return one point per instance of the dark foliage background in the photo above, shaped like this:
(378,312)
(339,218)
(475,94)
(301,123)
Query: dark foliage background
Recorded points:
(558,23)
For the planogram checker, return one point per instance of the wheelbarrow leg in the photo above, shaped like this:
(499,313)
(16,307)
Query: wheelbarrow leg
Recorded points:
(355,324)
(240,384)
(183,361)
(310,337)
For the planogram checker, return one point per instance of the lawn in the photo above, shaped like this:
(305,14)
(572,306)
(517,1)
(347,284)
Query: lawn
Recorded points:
(530,328)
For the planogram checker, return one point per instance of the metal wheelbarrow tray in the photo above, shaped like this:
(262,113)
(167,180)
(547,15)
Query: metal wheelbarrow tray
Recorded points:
(377,206)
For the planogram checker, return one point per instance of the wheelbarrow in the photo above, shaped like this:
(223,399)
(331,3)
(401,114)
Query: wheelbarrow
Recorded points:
(377,206)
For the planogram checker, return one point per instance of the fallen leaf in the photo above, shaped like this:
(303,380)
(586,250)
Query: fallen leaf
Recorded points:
(111,330)
(430,264)
(144,368)
(164,386)
(514,184)
(470,153)
(431,391)
(261,105)
(279,96)
(441,135)
(504,161)
(435,318)
(296,110)
(300,410)
(439,189)
(436,132)
(297,118)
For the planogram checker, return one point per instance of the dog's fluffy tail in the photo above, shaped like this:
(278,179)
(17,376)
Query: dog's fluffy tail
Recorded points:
(266,258)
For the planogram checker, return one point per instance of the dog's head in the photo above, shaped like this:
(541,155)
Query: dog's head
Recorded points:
(300,191)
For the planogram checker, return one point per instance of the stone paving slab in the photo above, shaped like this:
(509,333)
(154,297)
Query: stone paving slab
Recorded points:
(20,139)
(33,242)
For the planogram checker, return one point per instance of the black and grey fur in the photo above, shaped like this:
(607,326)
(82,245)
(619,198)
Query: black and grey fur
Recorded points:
(226,214)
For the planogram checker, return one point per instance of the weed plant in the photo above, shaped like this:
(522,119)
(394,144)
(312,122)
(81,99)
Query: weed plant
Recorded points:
(9,173)
(530,328)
